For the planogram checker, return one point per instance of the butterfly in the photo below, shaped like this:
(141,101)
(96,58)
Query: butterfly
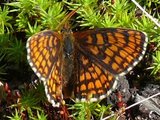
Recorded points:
(84,64)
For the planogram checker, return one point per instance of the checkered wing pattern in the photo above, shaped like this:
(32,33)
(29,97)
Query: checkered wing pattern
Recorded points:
(94,82)
(44,57)
(103,56)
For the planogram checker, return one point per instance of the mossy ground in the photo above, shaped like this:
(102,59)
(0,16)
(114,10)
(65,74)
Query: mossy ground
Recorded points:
(20,97)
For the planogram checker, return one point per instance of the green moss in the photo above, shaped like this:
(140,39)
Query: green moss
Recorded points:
(5,19)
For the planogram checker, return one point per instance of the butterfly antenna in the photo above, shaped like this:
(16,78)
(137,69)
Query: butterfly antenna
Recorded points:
(65,21)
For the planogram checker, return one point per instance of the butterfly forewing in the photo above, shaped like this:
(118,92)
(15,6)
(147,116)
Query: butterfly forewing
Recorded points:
(43,49)
(115,50)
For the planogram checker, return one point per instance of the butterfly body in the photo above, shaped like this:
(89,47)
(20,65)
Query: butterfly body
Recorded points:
(85,64)
(68,62)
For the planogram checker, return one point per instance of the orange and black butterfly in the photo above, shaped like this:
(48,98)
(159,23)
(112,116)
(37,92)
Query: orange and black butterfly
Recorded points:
(84,64)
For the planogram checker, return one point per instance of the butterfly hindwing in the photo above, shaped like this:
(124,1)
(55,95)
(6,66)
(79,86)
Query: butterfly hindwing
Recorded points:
(53,85)
(94,82)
